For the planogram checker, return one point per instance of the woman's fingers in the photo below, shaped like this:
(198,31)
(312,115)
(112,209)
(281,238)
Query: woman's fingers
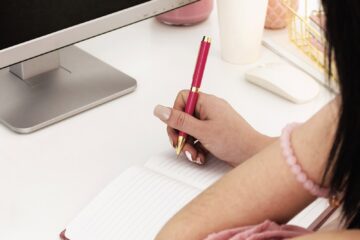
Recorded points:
(181,121)
(180,103)
(173,136)
(189,150)
(193,150)
(191,153)
(178,120)
(180,100)
(202,152)
(198,145)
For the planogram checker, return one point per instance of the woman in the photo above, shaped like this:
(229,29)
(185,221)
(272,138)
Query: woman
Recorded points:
(326,147)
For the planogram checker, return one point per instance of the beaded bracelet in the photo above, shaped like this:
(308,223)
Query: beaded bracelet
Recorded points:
(296,168)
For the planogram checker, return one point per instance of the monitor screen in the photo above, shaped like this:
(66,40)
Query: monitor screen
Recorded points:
(24,20)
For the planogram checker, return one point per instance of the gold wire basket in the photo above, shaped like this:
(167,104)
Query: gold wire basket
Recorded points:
(303,34)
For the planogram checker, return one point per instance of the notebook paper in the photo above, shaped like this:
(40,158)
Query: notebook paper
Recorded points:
(141,200)
(183,170)
(135,206)
(310,213)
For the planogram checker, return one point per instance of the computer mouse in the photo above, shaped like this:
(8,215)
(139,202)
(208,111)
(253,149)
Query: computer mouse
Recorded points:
(284,80)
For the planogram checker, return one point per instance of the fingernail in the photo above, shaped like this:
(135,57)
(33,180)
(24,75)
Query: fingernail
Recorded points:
(198,161)
(188,155)
(171,142)
(162,112)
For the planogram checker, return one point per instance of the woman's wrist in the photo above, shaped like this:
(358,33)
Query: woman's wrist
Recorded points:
(259,142)
(252,143)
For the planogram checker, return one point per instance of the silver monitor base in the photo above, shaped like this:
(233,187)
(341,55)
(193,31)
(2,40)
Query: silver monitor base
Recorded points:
(80,83)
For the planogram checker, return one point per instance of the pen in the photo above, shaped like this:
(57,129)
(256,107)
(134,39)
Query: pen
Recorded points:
(195,87)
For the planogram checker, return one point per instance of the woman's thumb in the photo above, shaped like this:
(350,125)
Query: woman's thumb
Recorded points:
(180,120)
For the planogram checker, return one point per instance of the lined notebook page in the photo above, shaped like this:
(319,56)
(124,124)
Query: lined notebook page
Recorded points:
(183,170)
(135,206)
(310,213)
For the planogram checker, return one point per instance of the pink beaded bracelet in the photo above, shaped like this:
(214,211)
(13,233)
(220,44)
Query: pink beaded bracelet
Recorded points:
(296,168)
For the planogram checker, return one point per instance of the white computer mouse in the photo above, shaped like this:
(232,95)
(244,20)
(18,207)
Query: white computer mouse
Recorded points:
(284,80)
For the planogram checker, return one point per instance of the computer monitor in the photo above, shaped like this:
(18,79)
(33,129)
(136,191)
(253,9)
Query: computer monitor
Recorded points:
(44,78)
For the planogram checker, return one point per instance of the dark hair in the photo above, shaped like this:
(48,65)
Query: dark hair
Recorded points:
(343,46)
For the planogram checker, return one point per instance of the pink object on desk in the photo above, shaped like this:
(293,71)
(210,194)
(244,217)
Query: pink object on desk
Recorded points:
(188,15)
(277,13)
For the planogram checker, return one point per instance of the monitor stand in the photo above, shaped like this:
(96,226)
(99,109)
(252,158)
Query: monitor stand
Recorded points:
(47,89)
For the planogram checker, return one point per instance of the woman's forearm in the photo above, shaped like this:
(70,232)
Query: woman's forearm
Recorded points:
(261,188)
(240,198)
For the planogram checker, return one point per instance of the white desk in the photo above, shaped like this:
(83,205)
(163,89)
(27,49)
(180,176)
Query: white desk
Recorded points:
(47,177)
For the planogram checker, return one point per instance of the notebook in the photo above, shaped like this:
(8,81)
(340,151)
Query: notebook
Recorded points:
(143,198)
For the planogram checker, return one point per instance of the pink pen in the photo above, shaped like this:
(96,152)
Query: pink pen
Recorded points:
(195,87)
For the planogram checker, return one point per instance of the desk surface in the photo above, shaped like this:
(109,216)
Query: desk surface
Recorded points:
(47,177)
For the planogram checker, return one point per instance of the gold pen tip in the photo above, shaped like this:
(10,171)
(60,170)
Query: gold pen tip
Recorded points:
(180,145)
(178,151)
(206,39)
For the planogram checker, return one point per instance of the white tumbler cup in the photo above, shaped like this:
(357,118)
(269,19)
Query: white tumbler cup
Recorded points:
(241,24)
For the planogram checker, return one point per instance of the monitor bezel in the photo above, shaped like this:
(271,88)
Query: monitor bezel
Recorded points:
(83,31)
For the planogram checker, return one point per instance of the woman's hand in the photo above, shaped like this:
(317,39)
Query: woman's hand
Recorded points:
(216,128)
